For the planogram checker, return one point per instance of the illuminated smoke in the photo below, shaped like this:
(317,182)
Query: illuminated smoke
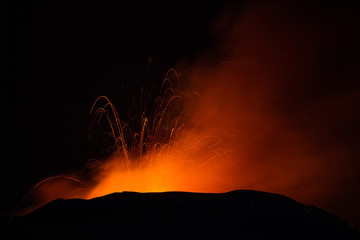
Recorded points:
(263,114)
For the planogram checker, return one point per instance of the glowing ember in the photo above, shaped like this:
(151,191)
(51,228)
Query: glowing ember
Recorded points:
(165,155)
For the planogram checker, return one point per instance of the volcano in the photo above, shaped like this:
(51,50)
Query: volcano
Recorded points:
(205,97)
(244,214)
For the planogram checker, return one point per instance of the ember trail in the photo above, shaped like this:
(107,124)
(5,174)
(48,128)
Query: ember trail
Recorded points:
(145,133)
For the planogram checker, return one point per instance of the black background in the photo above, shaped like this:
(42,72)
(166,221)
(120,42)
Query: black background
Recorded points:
(60,56)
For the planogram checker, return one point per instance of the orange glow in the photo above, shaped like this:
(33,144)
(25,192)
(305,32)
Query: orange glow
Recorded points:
(229,138)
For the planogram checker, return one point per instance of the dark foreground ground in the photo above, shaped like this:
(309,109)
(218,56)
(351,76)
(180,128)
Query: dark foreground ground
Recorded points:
(241,214)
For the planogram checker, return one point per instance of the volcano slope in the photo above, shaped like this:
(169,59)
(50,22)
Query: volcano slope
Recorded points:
(240,214)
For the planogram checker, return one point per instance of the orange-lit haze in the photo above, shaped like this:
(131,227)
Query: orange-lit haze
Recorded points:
(257,113)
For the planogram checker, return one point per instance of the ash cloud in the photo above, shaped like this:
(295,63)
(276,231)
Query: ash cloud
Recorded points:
(280,90)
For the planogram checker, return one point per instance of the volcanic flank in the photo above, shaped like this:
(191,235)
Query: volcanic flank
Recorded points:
(131,215)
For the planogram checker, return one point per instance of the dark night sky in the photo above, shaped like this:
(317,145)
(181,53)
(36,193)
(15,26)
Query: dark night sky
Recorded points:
(59,57)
